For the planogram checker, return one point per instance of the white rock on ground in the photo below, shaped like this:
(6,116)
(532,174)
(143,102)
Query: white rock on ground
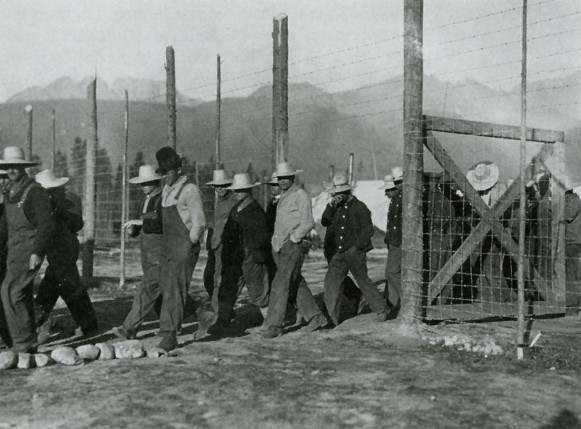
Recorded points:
(25,361)
(88,351)
(41,360)
(66,356)
(107,351)
(130,349)
(155,352)
(8,360)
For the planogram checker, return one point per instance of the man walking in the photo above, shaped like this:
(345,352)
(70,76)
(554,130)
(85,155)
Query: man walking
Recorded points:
(183,225)
(294,220)
(61,278)
(393,238)
(149,230)
(350,222)
(25,230)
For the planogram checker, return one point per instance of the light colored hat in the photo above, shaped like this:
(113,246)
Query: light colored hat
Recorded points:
(242,181)
(13,155)
(220,178)
(483,175)
(273,180)
(48,180)
(147,173)
(388,183)
(3,173)
(284,169)
(397,174)
(340,184)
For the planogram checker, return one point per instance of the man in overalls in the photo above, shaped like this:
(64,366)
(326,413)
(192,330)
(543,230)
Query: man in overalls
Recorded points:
(183,225)
(149,230)
(61,278)
(25,229)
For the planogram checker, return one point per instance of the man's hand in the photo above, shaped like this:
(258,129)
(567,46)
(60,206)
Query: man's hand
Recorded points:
(34,262)
(294,239)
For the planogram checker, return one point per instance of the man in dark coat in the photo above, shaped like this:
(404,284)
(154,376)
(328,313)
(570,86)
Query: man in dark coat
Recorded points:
(350,222)
(61,278)
(246,253)
(149,229)
(25,230)
(393,239)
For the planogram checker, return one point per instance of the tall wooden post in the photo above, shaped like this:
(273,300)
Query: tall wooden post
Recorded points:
(331,173)
(280,89)
(411,302)
(28,111)
(351,168)
(170,70)
(89,207)
(218,110)
(53,152)
(124,195)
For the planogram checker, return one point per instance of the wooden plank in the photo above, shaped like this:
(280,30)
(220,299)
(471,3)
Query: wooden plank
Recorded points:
(483,311)
(558,227)
(487,129)
(487,215)
(452,266)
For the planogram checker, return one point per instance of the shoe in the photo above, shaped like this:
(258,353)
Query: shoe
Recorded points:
(44,331)
(216,330)
(317,322)
(270,332)
(383,316)
(169,341)
(123,333)
(87,332)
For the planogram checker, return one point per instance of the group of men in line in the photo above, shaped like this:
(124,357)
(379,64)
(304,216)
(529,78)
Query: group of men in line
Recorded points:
(248,246)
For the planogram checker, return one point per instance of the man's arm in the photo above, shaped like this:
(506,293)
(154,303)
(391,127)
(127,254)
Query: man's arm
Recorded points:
(366,230)
(45,225)
(327,218)
(306,215)
(193,201)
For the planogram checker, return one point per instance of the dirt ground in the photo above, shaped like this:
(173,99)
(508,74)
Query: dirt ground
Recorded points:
(361,374)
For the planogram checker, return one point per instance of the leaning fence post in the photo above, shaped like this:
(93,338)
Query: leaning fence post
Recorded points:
(280,89)
(89,206)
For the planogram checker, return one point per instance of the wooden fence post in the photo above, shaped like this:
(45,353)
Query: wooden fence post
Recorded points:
(53,151)
(28,111)
(89,206)
(170,68)
(124,192)
(218,110)
(280,89)
(412,299)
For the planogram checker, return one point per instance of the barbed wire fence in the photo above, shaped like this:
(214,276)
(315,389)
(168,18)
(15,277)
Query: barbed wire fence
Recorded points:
(351,100)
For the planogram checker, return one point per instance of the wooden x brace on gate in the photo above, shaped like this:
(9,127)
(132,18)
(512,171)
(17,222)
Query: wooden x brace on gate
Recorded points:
(490,219)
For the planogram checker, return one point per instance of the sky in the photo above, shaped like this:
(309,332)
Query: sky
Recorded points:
(335,44)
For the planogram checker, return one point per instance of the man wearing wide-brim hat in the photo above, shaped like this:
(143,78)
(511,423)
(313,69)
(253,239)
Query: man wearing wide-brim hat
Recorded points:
(183,223)
(246,253)
(25,230)
(272,202)
(225,200)
(294,220)
(393,239)
(148,227)
(61,278)
(350,223)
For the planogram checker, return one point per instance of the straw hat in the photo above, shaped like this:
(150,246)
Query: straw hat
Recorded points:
(388,185)
(219,178)
(14,155)
(273,180)
(147,173)
(242,181)
(483,175)
(397,174)
(340,184)
(48,180)
(284,169)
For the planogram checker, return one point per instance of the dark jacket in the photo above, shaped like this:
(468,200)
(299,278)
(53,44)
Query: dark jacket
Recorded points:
(393,230)
(350,225)
(38,212)
(67,211)
(151,214)
(246,235)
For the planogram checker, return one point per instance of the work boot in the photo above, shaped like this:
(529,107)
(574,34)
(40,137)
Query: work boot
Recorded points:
(169,341)
(44,331)
(317,322)
(383,316)
(216,330)
(269,332)
(124,333)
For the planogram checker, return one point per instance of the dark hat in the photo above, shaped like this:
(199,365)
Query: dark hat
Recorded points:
(167,159)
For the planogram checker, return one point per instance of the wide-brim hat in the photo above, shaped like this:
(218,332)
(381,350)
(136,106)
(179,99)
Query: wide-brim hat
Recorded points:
(340,184)
(242,181)
(397,174)
(388,185)
(3,173)
(147,173)
(284,169)
(219,178)
(48,180)
(13,155)
(483,175)
(273,180)
(167,159)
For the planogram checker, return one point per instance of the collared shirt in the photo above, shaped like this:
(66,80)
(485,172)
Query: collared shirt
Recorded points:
(349,224)
(189,206)
(294,217)
(223,207)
